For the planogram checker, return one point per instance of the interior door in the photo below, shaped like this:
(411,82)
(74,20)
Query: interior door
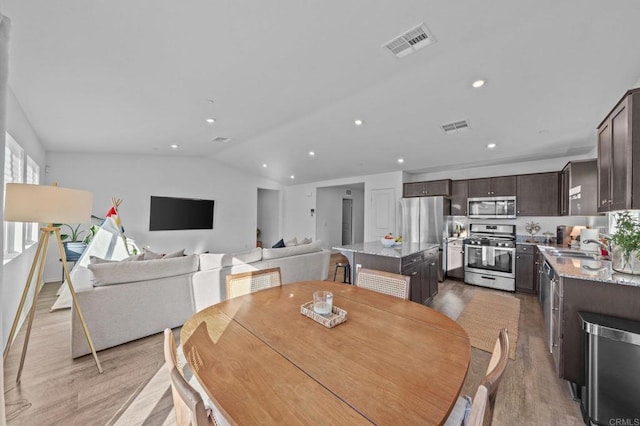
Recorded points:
(383,213)
(347,220)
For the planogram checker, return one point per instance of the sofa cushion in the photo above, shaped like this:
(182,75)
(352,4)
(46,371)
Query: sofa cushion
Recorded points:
(275,253)
(220,260)
(143,270)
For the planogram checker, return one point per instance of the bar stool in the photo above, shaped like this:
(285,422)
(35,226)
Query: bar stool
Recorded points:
(347,271)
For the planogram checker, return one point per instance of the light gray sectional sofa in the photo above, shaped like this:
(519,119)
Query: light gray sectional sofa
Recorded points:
(125,301)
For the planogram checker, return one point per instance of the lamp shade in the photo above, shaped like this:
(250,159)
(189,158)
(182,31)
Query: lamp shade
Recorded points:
(46,204)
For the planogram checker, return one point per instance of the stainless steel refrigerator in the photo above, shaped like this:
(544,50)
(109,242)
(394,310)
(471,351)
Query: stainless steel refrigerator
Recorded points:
(427,220)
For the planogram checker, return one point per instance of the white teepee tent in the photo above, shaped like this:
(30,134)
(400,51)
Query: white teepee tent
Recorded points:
(108,243)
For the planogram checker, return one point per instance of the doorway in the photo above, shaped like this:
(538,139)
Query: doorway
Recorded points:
(337,221)
(347,221)
(268,217)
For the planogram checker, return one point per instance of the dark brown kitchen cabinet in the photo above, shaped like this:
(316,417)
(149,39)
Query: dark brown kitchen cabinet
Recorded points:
(422,267)
(579,188)
(573,296)
(526,269)
(563,202)
(427,189)
(459,195)
(619,156)
(537,194)
(492,187)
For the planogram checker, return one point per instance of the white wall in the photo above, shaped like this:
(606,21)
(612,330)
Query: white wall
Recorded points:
(329,216)
(15,271)
(300,199)
(269,216)
(539,166)
(134,178)
(547,223)
(358,215)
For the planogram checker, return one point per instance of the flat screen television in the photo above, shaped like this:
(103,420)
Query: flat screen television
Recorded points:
(170,214)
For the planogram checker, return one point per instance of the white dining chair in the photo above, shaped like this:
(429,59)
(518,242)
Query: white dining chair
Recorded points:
(252,281)
(384,282)
(479,411)
(191,405)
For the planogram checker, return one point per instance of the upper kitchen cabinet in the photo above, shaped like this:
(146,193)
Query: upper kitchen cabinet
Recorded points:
(537,194)
(459,194)
(492,187)
(619,156)
(427,189)
(578,190)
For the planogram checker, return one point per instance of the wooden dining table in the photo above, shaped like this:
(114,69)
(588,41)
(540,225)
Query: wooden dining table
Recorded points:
(392,362)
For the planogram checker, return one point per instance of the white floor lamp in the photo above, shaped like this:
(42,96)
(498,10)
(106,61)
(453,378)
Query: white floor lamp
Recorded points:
(46,204)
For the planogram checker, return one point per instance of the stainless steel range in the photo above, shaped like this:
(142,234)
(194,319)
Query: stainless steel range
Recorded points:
(490,256)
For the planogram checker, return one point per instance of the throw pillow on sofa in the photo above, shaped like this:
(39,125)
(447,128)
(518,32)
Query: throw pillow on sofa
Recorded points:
(177,253)
(292,242)
(279,244)
(151,255)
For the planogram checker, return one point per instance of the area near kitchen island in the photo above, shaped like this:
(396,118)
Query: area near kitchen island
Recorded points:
(586,284)
(417,260)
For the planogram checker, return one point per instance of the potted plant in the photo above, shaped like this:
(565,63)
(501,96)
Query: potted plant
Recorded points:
(258,242)
(625,244)
(74,246)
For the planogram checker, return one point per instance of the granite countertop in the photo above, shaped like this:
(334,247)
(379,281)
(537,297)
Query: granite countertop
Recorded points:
(586,269)
(398,251)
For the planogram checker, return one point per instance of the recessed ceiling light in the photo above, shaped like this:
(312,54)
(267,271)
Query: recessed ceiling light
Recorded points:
(211,120)
(312,153)
(292,177)
(491,145)
(358,122)
(400,160)
(264,165)
(174,146)
(478,83)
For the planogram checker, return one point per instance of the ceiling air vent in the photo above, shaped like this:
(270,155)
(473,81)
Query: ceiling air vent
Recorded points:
(457,126)
(221,139)
(411,41)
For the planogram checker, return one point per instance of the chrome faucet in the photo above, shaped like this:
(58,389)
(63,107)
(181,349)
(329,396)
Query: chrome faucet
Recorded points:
(602,245)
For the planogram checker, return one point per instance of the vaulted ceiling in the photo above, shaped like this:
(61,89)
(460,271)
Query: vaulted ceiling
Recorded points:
(286,77)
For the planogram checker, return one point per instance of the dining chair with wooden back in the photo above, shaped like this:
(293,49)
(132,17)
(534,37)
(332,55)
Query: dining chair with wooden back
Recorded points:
(249,282)
(481,410)
(189,405)
(384,282)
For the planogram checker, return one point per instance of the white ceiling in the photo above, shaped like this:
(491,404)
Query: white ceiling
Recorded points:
(290,76)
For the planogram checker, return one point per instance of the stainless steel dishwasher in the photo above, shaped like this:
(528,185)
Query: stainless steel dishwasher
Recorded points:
(612,370)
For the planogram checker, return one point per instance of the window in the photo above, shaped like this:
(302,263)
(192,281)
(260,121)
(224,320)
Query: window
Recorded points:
(13,172)
(32,176)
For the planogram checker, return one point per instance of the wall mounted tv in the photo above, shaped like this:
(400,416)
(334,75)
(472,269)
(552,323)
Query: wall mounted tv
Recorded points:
(170,214)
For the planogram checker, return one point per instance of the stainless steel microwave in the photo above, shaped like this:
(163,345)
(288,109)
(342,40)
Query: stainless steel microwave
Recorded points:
(492,207)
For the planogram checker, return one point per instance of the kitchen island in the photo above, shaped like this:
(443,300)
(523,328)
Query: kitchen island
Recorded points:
(579,283)
(417,260)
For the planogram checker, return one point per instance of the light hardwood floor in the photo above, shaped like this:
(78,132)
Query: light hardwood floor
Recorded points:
(134,388)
